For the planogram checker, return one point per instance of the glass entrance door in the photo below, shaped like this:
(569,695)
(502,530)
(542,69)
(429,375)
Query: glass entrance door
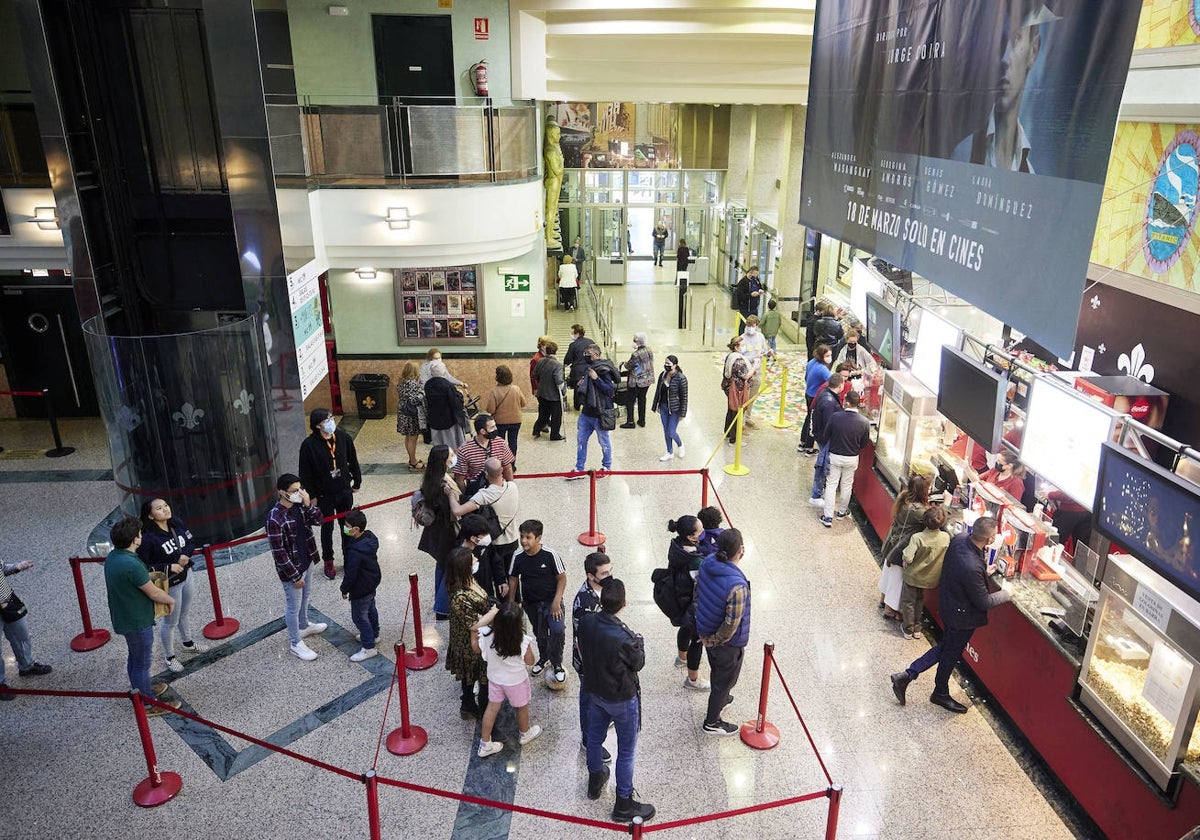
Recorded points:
(611,236)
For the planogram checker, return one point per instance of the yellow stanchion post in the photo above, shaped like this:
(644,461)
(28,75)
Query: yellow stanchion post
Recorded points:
(737,467)
(780,423)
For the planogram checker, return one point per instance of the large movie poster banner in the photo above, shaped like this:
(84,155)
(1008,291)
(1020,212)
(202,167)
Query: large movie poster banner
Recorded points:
(967,140)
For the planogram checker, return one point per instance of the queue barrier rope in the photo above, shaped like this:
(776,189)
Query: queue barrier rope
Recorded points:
(59,450)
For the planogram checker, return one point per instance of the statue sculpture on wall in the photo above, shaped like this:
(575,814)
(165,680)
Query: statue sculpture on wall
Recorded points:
(552,156)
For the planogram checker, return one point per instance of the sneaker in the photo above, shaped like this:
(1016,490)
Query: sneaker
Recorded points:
(842,514)
(536,670)
(37,669)
(826,521)
(721,727)
(560,437)
(605,755)
(728,701)
(575,475)
(158,711)
(560,676)
(5,696)
(666,457)
(677,662)
(193,647)
(304,652)
(602,473)
(679,451)
(174,665)
(312,629)
(365,653)
(808,453)
(818,502)
(529,734)
(330,572)
(699,684)
(487,748)
(440,616)
(159,688)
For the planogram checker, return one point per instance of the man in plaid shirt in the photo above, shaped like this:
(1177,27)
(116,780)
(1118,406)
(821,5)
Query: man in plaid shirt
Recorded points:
(294,548)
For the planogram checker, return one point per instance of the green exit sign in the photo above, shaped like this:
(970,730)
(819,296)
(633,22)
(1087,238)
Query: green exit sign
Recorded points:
(516,282)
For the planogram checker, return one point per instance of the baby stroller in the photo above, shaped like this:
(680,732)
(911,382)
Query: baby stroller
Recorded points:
(470,409)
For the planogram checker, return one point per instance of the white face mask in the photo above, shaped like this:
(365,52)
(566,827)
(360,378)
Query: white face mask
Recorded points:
(751,330)
(450,463)
(486,539)
(475,568)
(328,426)
(295,498)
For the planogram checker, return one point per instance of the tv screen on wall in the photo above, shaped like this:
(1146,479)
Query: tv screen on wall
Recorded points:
(971,396)
(883,329)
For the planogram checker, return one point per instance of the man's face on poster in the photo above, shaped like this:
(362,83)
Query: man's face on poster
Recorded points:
(1019,56)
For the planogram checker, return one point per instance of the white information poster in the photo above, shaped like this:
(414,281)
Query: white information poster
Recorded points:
(1166,681)
(932,334)
(308,329)
(1064,431)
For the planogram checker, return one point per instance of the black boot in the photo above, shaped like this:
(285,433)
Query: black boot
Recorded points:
(596,782)
(469,710)
(627,808)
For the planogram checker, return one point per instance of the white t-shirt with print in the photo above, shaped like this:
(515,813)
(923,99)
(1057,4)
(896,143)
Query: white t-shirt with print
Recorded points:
(503,670)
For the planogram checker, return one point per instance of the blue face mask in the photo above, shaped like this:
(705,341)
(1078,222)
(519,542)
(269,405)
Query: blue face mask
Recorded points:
(328,426)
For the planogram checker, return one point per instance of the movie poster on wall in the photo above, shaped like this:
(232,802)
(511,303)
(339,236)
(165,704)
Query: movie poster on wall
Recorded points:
(1168,23)
(968,141)
(440,304)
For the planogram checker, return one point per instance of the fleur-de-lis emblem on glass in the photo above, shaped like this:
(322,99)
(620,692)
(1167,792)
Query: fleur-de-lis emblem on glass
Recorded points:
(1132,364)
(128,419)
(368,402)
(244,402)
(188,416)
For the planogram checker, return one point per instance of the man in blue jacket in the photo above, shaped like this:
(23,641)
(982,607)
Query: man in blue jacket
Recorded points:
(597,381)
(723,624)
(963,601)
(827,403)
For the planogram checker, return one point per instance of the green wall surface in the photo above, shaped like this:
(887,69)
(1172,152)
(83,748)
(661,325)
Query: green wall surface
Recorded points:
(335,56)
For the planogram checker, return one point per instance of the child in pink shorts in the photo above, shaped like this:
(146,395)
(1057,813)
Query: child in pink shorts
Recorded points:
(508,651)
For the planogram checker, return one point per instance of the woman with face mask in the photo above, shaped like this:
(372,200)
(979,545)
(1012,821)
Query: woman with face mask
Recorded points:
(684,557)
(438,537)
(468,601)
(816,373)
(754,348)
(167,546)
(671,403)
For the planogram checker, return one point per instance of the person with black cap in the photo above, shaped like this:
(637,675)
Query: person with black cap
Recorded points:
(329,471)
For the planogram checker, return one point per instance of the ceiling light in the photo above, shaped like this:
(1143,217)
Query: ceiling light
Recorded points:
(397,218)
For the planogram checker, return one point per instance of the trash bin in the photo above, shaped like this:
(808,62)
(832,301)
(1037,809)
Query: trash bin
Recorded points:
(371,394)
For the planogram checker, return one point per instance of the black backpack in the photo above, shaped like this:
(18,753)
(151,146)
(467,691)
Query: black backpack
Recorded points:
(672,593)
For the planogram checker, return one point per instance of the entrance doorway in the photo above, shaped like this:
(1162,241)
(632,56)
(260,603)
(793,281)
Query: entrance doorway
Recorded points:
(414,65)
(45,349)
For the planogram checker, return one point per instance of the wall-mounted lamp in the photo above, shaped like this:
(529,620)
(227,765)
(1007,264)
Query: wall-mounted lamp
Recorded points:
(46,218)
(366,272)
(397,218)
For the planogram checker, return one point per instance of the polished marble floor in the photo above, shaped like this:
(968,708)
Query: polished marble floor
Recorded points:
(908,772)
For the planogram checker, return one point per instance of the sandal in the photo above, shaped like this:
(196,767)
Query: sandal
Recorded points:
(417,467)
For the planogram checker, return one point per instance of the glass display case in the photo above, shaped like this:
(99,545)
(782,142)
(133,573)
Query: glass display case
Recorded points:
(1140,673)
(910,428)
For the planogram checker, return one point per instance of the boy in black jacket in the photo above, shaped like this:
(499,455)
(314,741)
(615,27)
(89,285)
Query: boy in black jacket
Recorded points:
(360,580)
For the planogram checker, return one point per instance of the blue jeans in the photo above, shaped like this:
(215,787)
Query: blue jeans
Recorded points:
(366,619)
(585,711)
(549,631)
(945,654)
(583,431)
(141,649)
(17,633)
(625,716)
(659,247)
(820,472)
(441,598)
(771,342)
(670,427)
(295,613)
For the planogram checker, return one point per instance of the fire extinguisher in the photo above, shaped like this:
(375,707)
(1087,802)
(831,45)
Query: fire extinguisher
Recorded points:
(479,78)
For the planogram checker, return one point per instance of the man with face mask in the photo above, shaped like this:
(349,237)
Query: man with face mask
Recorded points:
(473,455)
(294,549)
(597,381)
(329,470)
(503,497)
(360,580)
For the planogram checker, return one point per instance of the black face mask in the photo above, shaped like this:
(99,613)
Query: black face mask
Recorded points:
(495,433)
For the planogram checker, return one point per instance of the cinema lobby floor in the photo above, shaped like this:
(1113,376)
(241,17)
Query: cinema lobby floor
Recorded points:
(908,773)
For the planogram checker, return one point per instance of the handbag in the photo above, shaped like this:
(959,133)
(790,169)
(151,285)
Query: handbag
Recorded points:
(14,609)
(423,514)
(410,407)
(160,581)
(608,419)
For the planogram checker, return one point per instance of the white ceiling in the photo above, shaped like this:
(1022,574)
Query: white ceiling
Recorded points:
(708,51)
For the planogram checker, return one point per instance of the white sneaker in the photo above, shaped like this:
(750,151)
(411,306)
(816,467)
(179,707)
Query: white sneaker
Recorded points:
(487,748)
(530,734)
(700,684)
(193,647)
(365,653)
(679,451)
(818,502)
(304,652)
(312,629)
(666,457)
(677,662)
(174,665)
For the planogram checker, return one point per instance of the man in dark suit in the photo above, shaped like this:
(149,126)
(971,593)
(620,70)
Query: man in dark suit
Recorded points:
(964,601)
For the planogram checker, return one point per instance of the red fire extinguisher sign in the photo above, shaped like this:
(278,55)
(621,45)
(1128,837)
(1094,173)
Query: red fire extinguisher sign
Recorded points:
(481,29)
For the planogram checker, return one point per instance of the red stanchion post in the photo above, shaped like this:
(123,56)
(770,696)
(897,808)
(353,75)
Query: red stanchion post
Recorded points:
(835,803)
(408,739)
(591,537)
(373,804)
(221,627)
(759,733)
(159,787)
(91,638)
(635,828)
(420,657)
(704,487)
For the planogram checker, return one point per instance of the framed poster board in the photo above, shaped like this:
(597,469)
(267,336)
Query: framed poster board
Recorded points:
(442,304)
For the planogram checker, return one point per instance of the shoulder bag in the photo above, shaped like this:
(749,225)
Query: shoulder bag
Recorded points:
(14,609)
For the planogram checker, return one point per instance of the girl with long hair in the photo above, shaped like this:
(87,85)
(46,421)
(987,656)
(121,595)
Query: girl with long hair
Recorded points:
(508,651)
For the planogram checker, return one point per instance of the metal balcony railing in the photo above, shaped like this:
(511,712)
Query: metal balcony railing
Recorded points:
(343,142)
